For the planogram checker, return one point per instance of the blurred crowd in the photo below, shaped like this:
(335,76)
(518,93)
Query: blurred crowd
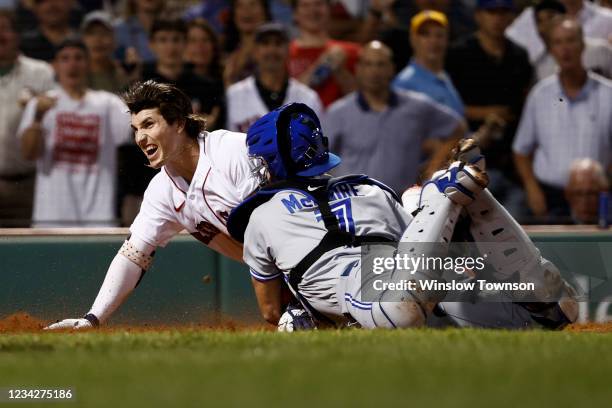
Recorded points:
(396,83)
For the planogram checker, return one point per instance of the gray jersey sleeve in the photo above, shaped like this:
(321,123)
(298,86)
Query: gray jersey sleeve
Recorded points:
(258,254)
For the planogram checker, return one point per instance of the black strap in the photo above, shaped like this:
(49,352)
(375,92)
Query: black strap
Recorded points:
(334,238)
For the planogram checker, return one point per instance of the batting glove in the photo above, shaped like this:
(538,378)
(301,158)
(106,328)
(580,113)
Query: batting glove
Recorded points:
(87,322)
(295,319)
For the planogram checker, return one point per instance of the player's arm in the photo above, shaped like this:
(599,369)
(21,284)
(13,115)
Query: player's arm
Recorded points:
(268,295)
(124,273)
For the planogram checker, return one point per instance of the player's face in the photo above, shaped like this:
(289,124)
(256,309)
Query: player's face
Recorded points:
(71,67)
(158,140)
(430,41)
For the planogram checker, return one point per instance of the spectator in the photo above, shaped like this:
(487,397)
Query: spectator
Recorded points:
(392,19)
(73,133)
(567,116)
(53,17)
(346,18)
(323,64)
(132,32)
(168,42)
(597,55)
(493,75)
(203,51)
(605,3)
(385,133)
(215,12)
(425,73)
(587,180)
(270,87)
(20,78)
(105,73)
(595,20)
(245,17)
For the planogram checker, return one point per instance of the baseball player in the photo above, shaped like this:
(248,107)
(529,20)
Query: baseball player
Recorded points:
(203,176)
(307,228)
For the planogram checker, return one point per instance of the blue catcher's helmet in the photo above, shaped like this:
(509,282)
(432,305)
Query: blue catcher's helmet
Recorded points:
(290,141)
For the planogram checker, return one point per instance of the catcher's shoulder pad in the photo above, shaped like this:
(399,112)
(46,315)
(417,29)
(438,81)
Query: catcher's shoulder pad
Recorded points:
(239,217)
(362,179)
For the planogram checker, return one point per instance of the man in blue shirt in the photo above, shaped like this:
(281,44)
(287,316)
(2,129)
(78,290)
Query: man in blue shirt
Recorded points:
(425,73)
(567,117)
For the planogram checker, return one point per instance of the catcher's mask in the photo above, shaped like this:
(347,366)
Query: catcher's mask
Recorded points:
(288,142)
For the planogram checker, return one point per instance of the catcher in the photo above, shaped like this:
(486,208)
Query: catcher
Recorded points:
(306,228)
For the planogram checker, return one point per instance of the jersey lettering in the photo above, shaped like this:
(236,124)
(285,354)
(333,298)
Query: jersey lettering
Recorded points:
(343,211)
(207,231)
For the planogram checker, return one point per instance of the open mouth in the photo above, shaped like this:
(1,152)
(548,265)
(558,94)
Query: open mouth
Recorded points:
(150,151)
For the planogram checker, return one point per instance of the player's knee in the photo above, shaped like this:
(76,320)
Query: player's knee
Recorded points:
(398,315)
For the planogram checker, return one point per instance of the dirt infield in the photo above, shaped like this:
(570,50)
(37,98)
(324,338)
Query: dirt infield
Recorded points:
(23,322)
(590,327)
(20,322)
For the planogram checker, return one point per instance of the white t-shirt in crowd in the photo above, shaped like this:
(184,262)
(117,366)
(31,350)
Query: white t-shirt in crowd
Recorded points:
(77,172)
(245,106)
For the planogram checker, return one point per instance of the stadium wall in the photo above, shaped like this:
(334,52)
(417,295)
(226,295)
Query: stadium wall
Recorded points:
(56,274)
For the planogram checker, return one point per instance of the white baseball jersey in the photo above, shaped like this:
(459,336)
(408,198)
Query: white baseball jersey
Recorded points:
(245,106)
(222,180)
(285,229)
(76,174)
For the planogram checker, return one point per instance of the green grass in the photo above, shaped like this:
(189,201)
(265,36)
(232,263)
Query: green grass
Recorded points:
(418,368)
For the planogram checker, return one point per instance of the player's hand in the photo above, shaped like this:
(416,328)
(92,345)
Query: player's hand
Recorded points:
(74,324)
(295,318)
(536,199)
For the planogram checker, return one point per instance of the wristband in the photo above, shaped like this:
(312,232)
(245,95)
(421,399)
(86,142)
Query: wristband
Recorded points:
(91,318)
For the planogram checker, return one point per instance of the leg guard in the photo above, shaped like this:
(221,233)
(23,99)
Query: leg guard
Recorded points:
(436,218)
(508,248)
(428,235)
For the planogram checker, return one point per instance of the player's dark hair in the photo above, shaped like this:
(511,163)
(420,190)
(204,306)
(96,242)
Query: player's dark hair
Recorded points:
(176,25)
(173,104)
(11,17)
